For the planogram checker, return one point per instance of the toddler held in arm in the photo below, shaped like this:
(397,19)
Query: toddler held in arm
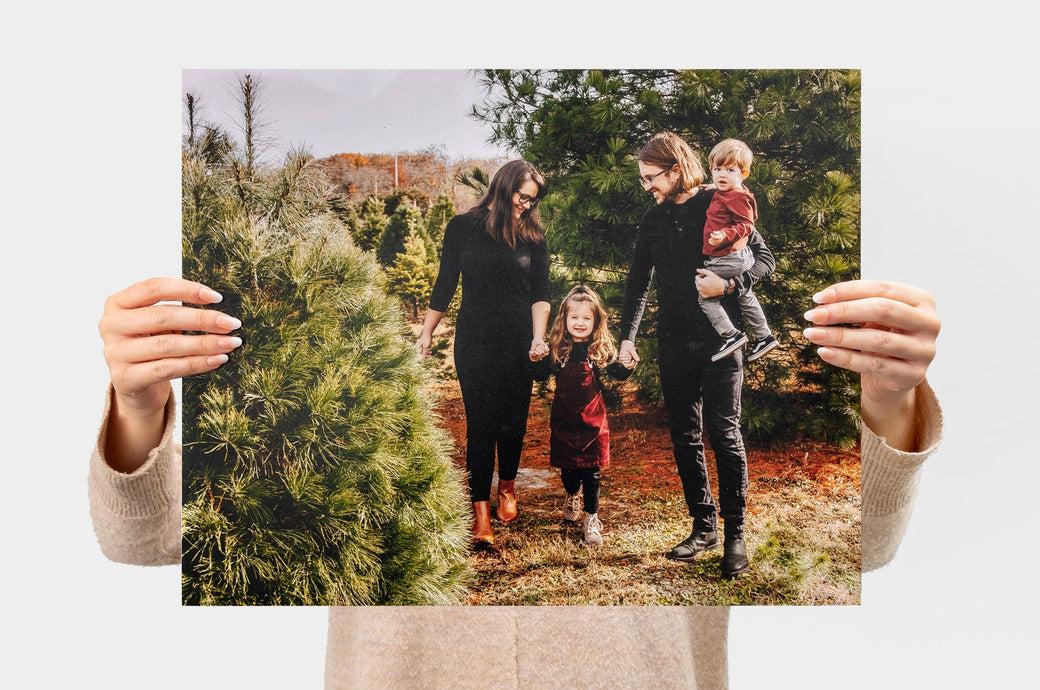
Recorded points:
(730,221)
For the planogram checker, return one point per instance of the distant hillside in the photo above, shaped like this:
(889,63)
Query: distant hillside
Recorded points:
(429,172)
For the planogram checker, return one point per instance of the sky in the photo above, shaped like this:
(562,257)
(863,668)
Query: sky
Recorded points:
(354,111)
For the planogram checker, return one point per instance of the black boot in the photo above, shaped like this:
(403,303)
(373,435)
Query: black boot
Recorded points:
(701,539)
(734,557)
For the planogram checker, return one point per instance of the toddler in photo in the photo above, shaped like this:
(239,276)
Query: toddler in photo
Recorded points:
(730,221)
(580,346)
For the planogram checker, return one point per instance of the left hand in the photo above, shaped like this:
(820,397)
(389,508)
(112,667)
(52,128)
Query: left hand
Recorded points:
(709,284)
(891,350)
(538,349)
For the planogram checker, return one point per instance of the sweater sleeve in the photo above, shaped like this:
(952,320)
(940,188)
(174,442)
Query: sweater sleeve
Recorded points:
(451,266)
(890,481)
(137,516)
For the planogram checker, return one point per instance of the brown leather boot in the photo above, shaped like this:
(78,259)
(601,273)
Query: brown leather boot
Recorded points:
(482,534)
(506,510)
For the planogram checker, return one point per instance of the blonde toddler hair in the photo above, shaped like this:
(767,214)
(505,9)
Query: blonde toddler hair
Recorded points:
(731,152)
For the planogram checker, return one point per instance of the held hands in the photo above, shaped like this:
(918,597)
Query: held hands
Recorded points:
(539,350)
(627,354)
(891,350)
(715,238)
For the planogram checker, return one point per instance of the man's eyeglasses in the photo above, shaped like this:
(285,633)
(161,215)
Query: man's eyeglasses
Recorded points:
(649,179)
(530,201)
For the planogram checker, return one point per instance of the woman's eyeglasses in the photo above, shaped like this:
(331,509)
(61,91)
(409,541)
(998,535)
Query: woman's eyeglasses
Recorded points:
(530,201)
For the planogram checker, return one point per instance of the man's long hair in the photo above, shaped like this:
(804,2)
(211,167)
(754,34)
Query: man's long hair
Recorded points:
(497,204)
(667,149)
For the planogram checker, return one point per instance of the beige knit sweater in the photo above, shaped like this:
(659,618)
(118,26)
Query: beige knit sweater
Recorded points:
(137,520)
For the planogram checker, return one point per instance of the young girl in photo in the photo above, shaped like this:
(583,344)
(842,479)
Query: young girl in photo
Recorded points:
(580,346)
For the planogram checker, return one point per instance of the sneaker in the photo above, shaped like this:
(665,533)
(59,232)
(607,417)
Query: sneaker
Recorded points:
(729,346)
(572,507)
(592,530)
(760,348)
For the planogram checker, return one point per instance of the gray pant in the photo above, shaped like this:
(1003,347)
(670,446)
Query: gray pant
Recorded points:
(730,266)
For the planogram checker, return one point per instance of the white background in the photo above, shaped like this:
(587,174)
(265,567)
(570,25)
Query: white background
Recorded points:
(91,203)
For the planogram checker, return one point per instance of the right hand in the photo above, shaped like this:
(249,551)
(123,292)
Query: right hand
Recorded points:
(423,345)
(715,238)
(145,348)
(627,354)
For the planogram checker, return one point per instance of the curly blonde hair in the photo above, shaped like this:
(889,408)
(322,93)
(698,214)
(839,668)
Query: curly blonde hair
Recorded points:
(602,350)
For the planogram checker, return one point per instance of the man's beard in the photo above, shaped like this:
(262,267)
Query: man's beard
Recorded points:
(672,197)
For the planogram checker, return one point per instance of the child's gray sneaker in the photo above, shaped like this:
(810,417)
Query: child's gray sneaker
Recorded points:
(592,530)
(572,507)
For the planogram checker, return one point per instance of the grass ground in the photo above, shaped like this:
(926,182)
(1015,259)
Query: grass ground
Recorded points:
(802,530)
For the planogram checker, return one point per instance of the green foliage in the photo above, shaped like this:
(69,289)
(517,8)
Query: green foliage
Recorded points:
(406,220)
(314,472)
(437,219)
(583,129)
(371,224)
(412,275)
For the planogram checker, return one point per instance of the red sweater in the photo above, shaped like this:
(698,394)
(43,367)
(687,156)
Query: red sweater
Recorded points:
(734,213)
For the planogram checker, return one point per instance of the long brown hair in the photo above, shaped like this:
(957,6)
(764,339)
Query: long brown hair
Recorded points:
(497,204)
(602,350)
(667,149)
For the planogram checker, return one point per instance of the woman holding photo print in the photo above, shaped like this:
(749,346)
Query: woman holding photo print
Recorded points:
(135,489)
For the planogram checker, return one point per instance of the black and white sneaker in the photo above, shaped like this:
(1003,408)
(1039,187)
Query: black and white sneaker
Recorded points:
(729,346)
(760,348)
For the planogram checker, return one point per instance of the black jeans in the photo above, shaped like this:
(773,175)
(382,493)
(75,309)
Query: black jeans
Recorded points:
(583,477)
(700,394)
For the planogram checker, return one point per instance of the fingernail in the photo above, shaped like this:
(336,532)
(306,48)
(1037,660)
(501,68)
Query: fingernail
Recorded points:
(212,295)
(819,296)
(825,352)
(811,315)
(231,341)
(229,322)
(216,360)
(814,334)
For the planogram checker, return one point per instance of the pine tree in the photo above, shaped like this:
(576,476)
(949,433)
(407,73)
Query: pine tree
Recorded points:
(314,472)
(372,223)
(412,275)
(437,220)
(406,220)
(583,128)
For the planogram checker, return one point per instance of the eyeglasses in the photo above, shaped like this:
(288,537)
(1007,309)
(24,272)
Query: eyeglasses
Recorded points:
(530,201)
(649,179)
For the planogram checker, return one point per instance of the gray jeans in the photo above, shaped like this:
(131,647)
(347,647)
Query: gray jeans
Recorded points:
(730,266)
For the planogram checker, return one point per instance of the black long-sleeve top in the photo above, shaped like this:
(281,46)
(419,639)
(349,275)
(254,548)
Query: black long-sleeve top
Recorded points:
(499,284)
(669,245)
